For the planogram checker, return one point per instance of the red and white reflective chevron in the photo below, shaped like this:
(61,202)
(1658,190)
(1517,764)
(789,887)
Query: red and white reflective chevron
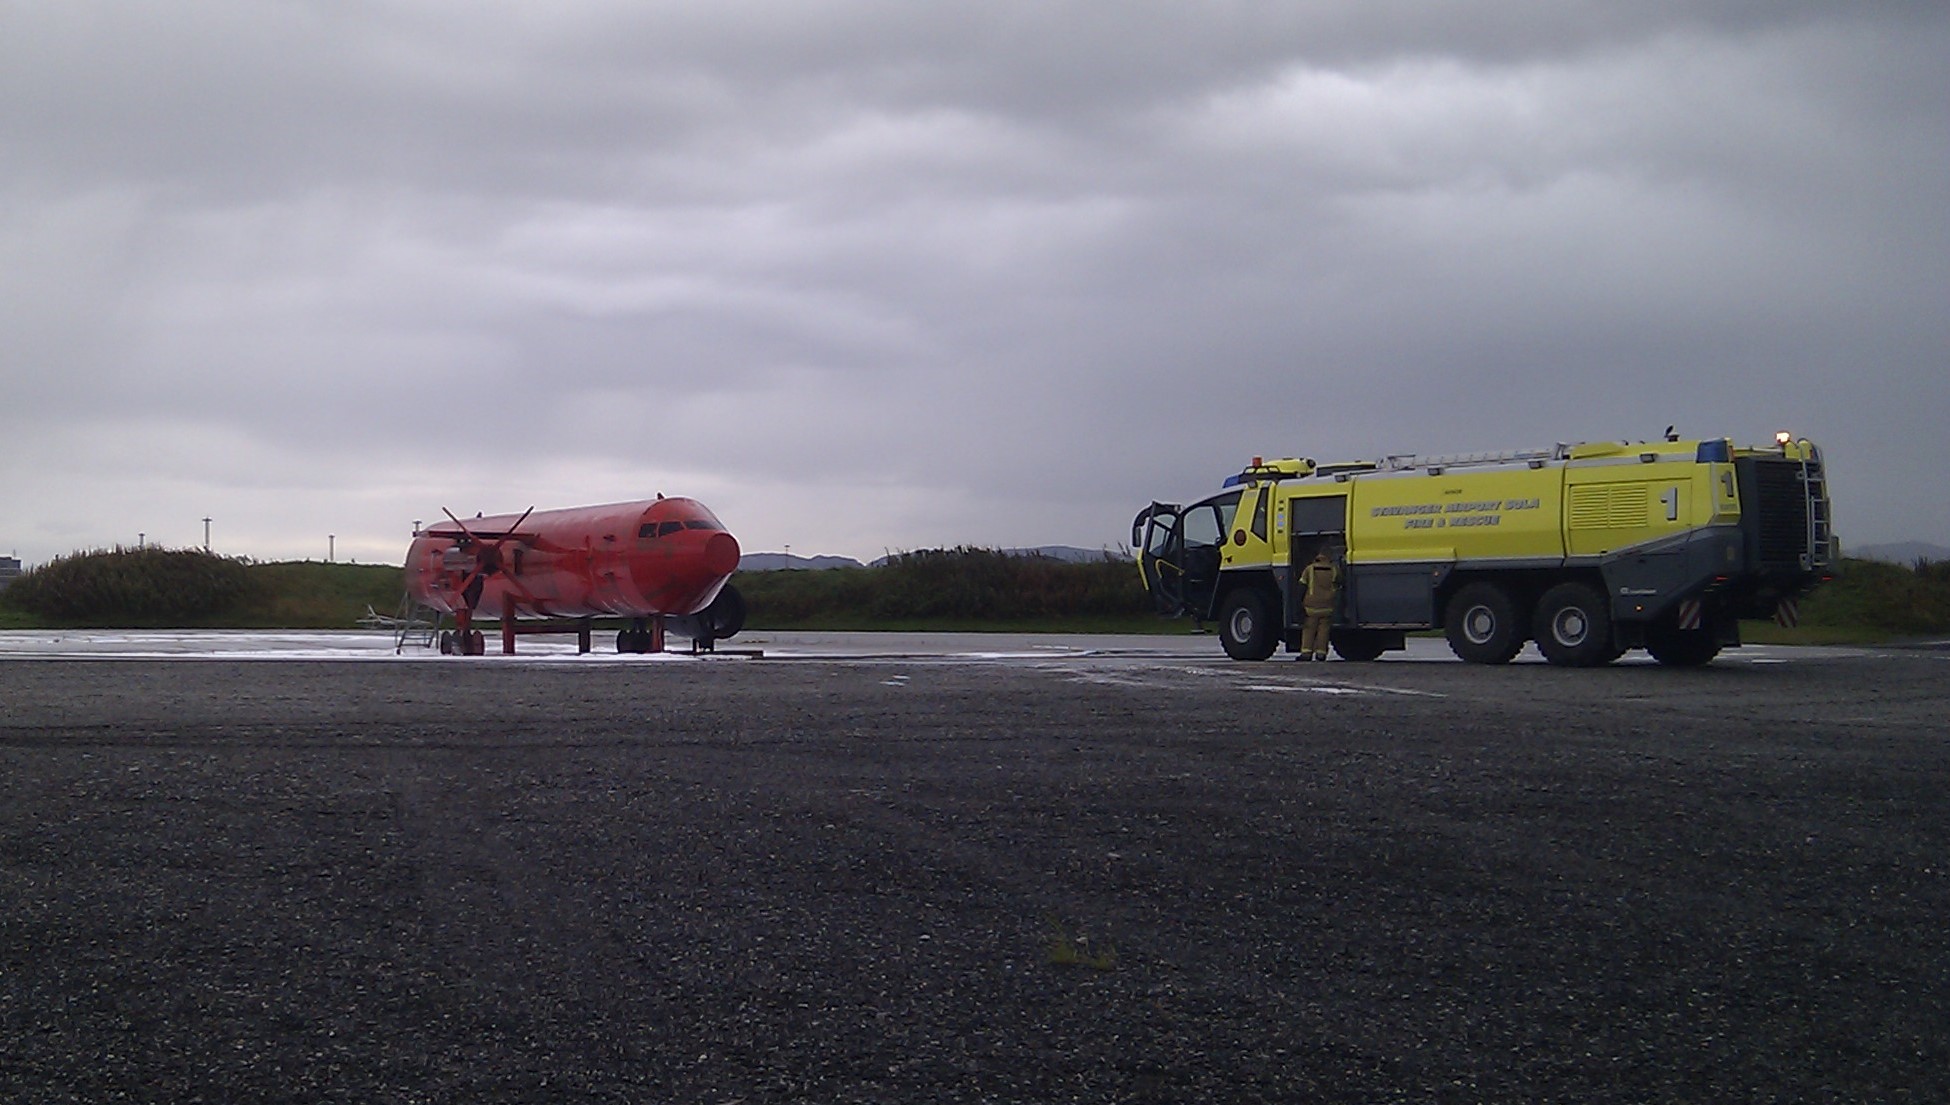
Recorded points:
(1689,614)
(1788,613)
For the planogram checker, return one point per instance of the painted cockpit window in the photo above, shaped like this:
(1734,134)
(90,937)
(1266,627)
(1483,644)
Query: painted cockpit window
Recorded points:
(665,529)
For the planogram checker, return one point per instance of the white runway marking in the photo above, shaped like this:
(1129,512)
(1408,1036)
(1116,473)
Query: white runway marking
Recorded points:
(1337,688)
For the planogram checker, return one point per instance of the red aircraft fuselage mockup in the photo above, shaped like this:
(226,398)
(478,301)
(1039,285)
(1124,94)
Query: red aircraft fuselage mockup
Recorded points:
(646,561)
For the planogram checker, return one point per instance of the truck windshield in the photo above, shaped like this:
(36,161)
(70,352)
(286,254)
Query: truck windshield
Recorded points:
(1206,522)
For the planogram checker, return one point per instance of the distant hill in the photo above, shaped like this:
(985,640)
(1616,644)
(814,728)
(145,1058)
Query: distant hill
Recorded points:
(1900,552)
(774,562)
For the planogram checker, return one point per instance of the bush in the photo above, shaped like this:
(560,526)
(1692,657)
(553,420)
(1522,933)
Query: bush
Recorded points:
(134,586)
(962,585)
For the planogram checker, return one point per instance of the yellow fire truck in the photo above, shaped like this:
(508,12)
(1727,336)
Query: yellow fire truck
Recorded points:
(1590,550)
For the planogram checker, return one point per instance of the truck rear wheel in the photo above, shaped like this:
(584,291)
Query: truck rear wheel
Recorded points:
(1244,628)
(1573,626)
(1481,624)
(1681,648)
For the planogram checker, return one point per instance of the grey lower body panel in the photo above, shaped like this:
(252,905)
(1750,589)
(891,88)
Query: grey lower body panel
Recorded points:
(1393,594)
(1647,582)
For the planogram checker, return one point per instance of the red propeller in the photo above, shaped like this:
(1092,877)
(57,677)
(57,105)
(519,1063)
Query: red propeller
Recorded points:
(487,559)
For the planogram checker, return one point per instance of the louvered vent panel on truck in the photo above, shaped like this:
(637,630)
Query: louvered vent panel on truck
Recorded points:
(1609,506)
(1629,505)
(1590,506)
(1783,507)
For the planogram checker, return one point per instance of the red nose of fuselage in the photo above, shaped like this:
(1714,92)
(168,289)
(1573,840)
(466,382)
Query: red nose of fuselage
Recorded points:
(721,554)
(682,572)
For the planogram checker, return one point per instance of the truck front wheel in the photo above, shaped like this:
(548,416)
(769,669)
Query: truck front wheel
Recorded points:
(1481,625)
(1573,627)
(1244,627)
(1359,645)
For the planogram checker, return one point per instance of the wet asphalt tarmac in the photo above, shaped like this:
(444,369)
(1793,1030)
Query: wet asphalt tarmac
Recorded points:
(1127,874)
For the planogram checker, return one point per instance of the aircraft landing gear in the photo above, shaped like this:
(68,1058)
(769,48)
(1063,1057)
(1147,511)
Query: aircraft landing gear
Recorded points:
(463,643)
(644,635)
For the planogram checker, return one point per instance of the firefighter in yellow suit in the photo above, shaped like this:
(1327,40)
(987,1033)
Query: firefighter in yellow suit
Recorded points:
(1322,580)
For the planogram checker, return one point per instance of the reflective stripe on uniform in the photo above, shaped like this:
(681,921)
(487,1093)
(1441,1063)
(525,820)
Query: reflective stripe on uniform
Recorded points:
(1320,589)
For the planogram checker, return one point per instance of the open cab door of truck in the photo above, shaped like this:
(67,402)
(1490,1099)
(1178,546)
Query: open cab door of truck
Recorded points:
(1178,552)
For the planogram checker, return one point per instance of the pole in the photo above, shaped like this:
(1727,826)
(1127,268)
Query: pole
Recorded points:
(331,547)
(206,535)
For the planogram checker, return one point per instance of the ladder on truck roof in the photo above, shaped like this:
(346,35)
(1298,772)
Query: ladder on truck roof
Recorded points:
(1535,458)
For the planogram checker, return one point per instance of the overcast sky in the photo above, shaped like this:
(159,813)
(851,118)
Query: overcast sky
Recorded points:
(880,274)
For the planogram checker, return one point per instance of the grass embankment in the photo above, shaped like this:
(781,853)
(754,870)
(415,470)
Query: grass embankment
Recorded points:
(933,590)
(154,588)
(1869,601)
(304,594)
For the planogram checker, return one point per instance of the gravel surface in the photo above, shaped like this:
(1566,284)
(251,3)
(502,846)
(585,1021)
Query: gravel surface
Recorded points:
(1082,880)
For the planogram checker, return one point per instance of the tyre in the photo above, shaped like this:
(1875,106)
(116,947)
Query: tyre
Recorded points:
(726,614)
(1244,627)
(1481,624)
(1682,648)
(1357,645)
(1573,626)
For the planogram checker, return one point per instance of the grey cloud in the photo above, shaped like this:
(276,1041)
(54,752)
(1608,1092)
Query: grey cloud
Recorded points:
(944,260)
